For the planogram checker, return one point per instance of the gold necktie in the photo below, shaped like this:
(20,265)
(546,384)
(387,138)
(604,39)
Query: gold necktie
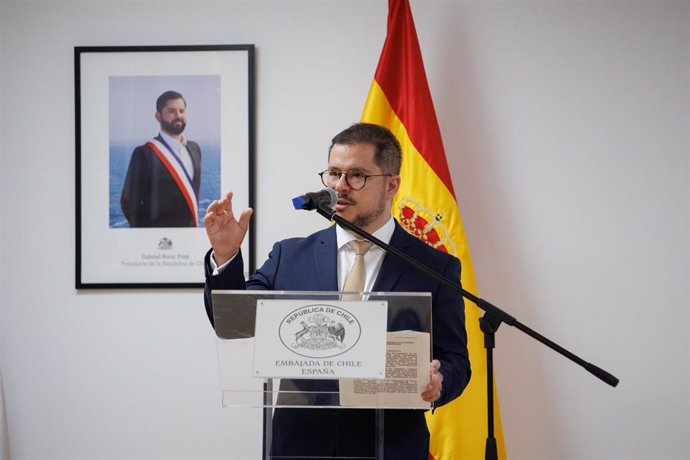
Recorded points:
(355,279)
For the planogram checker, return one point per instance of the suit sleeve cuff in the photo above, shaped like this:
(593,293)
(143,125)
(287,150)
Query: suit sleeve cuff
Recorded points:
(215,269)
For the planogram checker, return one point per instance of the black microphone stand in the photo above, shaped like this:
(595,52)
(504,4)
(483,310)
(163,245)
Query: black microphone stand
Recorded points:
(489,323)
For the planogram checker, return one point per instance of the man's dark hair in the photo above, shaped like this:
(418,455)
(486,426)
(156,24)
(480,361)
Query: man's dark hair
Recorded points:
(387,151)
(168,96)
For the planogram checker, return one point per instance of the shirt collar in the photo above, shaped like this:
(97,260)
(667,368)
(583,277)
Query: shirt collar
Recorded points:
(172,142)
(385,233)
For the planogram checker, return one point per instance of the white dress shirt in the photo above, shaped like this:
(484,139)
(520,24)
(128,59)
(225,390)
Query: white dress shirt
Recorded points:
(180,149)
(373,258)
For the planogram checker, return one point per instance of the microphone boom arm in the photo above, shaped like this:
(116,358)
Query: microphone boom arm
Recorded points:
(493,314)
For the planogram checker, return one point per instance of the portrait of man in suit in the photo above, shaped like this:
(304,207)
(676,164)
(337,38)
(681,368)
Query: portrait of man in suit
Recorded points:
(161,188)
(364,170)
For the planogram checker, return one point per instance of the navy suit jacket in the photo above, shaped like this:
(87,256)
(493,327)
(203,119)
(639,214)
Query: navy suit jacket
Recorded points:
(310,264)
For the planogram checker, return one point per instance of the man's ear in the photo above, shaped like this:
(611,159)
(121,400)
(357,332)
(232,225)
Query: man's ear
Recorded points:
(393,185)
(158,117)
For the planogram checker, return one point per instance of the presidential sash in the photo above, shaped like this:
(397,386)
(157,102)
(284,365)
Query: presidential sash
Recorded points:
(174,165)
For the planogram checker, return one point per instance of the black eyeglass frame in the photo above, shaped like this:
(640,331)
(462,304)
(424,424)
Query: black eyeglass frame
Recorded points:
(347,175)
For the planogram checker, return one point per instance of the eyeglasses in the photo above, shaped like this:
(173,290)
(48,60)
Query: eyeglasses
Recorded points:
(356,180)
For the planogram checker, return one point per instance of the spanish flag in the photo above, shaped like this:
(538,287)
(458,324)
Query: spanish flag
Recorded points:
(399,99)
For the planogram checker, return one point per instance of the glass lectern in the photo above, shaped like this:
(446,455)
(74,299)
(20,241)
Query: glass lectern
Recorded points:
(335,375)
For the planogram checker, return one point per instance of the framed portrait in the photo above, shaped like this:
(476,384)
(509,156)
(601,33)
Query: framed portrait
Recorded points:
(161,132)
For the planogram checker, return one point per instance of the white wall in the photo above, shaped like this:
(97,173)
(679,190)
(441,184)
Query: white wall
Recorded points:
(566,125)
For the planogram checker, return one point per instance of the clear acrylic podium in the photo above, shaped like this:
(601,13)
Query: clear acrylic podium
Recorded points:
(309,418)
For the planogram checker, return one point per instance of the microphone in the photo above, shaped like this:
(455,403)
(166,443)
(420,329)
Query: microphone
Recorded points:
(313,200)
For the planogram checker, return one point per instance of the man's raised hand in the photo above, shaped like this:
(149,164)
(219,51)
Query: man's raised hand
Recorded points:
(225,232)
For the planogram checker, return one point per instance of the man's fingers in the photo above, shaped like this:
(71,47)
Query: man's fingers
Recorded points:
(226,202)
(222,205)
(212,206)
(244,218)
(432,392)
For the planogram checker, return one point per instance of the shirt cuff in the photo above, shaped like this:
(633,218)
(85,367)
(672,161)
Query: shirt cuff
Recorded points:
(216,269)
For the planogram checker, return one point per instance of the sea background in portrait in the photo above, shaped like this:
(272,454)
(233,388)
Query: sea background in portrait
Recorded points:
(209,188)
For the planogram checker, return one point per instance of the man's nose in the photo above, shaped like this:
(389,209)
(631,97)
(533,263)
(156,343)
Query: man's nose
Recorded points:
(341,184)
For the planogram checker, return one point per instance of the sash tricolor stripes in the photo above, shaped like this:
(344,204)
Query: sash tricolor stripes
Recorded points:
(174,166)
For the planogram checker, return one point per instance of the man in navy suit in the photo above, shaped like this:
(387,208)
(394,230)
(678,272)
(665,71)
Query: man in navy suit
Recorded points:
(363,168)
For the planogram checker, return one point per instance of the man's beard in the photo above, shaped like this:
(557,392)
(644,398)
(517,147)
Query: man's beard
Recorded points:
(364,219)
(172,128)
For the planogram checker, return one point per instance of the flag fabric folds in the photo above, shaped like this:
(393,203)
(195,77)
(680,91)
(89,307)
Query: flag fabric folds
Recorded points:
(399,99)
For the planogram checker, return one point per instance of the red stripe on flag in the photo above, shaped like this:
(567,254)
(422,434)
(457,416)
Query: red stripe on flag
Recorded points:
(401,76)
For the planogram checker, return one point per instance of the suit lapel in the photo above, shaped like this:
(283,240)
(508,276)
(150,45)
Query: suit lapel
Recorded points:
(326,260)
(195,153)
(391,268)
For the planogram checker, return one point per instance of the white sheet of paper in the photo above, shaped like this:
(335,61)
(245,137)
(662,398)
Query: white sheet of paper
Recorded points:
(407,373)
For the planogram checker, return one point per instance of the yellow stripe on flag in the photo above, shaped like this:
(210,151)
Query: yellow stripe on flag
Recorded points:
(420,183)
(427,208)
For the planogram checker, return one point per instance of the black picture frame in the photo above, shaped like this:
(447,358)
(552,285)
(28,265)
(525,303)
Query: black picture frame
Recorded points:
(116,88)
